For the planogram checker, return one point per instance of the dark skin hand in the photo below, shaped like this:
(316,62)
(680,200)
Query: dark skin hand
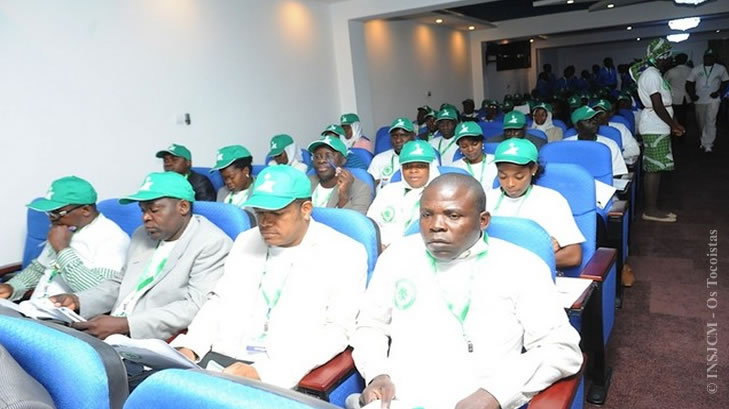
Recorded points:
(344,182)
(59,237)
(101,326)
(380,388)
(676,128)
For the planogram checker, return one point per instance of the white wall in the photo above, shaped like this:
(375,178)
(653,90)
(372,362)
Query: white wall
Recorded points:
(406,60)
(92,88)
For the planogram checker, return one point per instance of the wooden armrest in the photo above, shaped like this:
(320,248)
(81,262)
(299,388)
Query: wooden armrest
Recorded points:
(598,267)
(583,298)
(10,268)
(618,208)
(325,377)
(561,394)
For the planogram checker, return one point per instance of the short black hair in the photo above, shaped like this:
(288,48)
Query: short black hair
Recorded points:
(243,163)
(474,138)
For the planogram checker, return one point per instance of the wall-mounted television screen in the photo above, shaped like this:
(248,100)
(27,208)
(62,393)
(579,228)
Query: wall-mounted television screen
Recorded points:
(511,56)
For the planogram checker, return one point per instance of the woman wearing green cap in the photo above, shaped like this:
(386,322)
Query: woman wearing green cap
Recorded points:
(353,137)
(469,138)
(542,114)
(397,205)
(656,124)
(284,152)
(234,164)
(518,196)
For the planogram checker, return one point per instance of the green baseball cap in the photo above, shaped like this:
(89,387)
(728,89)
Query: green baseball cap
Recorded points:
(277,186)
(582,113)
(335,129)
(516,150)
(507,97)
(278,143)
(431,112)
(228,155)
(162,184)
(514,120)
(603,104)
(447,113)
(624,97)
(417,151)
(574,102)
(63,192)
(507,105)
(543,105)
(402,123)
(492,102)
(425,108)
(709,51)
(348,119)
(334,143)
(176,150)
(468,128)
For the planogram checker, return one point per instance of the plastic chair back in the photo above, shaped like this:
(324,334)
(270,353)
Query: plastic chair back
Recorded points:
(354,225)
(215,178)
(491,132)
(621,119)
(578,187)
(538,133)
(628,115)
(128,217)
(364,155)
(229,218)
(397,176)
(490,147)
(79,371)
(594,157)
(612,133)
(37,226)
(560,124)
(197,389)
(256,169)
(382,140)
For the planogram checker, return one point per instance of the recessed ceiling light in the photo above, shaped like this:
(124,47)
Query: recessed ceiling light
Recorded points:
(570,1)
(677,38)
(629,28)
(438,20)
(611,5)
(471,28)
(684,24)
(718,31)
(691,2)
(637,39)
(531,40)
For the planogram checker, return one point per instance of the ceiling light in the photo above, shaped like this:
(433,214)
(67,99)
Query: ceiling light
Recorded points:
(438,20)
(531,40)
(629,28)
(637,39)
(611,5)
(718,31)
(684,24)
(677,38)
(691,2)
(570,1)
(471,28)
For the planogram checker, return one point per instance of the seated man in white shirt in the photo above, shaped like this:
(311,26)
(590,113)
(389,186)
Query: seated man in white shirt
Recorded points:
(290,293)
(445,144)
(448,312)
(83,248)
(631,149)
(386,163)
(174,260)
(585,121)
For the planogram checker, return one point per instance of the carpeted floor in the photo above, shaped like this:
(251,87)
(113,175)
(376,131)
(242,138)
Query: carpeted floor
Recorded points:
(658,348)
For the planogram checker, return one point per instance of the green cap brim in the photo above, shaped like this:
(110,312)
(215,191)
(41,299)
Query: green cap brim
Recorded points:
(276,152)
(223,164)
(147,196)
(268,202)
(161,154)
(45,205)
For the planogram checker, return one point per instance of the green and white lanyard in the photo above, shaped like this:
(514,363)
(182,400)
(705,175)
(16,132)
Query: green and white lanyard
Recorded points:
(483,168)
(271,299)
(237,199)
(43,287)
(461,314)
(387,171)
(440,142)
(413,213)
(150,274)
(521,203)
(706,76)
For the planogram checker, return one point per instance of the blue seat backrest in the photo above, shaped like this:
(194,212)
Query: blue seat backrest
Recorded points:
(492,132)
(397,176)
(491,126)
(612,133)
(578,187)
(538,133)
(569,132)
(215,178)
(621,119)
(256,169)
(490,147)
(630,117)
(191,389)
(37,226)
(365,155)
(354,225)
(229,218)
(382,140)
(128,217)
(522,232)
(71,370)
(560,124)
(305,157)
(594,157)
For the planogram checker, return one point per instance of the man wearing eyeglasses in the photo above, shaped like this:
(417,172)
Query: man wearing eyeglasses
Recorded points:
(333,185)
(83,246)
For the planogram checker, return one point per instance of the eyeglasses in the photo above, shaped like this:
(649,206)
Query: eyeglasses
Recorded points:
(327,157)
(56,214)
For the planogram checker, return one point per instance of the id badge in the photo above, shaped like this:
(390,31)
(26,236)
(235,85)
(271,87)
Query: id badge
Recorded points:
(256,346)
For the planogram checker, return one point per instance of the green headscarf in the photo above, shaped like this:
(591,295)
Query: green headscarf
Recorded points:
(657,49)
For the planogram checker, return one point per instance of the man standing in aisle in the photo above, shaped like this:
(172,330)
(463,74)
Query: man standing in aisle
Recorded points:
(704,84)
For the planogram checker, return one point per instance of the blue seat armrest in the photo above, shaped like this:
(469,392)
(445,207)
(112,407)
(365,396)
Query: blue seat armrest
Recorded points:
(560,394)
(599,265)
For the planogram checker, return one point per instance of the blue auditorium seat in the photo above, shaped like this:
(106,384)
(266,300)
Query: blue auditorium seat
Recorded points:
(214,177)
(191,389)
(128,217)
(538,133)
(231,219)
(363,154)
(560,124)
(382,140)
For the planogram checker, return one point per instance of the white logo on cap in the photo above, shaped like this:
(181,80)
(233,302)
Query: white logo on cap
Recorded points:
(273,145)
(172,147)
(464,128)
(418,150)
(513,119)
(444,112)
(49,193)
(220,156)
(267,185)
(513,150)
(332,128)
(327,139)
(146,185)
(342,118)
(400,122)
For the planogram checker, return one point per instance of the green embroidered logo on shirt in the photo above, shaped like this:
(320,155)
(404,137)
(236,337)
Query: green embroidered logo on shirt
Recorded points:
(405,293)
(387,171)
(388,214)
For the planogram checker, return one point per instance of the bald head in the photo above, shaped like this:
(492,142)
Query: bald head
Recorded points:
(452,215)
